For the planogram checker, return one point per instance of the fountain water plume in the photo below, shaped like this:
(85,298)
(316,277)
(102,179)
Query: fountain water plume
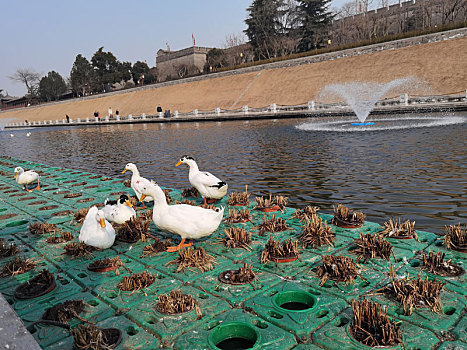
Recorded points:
(362,96)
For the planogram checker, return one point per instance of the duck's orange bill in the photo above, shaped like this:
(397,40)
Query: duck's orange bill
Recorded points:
(129,204)
(142,197)
(102,221)
(124,170)
(16,175)
(179,162)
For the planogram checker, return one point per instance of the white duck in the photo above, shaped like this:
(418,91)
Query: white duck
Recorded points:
(119,211)
(207,184)
(187,221)
(26,178)
(96,231)
(137,180)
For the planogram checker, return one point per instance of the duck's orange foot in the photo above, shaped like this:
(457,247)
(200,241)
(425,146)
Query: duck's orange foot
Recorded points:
(38,187)
(180,246)
(212,200)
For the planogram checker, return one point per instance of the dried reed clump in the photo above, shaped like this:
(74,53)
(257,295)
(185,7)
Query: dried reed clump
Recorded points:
(244,274)
(418,292)
(147,215)
(193,257)
(372,246)
(168,198)
(371,325)
(316,233)
(62,237)
(279,250)
(17,266)
(39,228)
(90,337)
(127,183)
(133,230)
(136,281)
(209,206)
(80,215)
(237,237)
(393,228)
(435,264)
(157,247)
(185,201)
(306,213)
(65,311)
(133,201)
(239,198)
(264,203)
(272,225)
(177,302)
(108,262)
(238,216)
(190,192)
(456,236)
(338,269)
(7,249)
(345,214)
(76,249)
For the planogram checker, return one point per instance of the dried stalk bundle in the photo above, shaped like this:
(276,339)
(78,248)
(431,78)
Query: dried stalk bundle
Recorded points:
(272,225)
(456,236)
(17,267)
(107,262)
(263,203)
(177,302)
(39,228)
(90,337)
(239,198)
(418,292)
(279,250)
(316,233)
(80,215)
(133,230)
(157,247)
(372,326)
(393,228)
(307,212)
(76,249)
(436,264)
(237,237)
(147,215)
(168,198)
(127,183)
(190,192)
(338,269)
(238,216)
(185,201)
(345,214)
(65,312)
(209,206)
(133,201)
(136,281)
(372,246)
(193,257)
(7,249)
(62,237)
(244,274)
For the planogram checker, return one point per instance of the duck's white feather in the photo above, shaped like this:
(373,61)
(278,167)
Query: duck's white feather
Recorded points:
(93,234)
(25,177)
(118,213)
(136,181)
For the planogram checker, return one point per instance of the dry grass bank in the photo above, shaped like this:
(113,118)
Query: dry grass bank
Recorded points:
(441,65)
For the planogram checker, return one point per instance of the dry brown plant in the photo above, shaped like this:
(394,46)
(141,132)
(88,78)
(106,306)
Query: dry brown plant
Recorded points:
(316,233)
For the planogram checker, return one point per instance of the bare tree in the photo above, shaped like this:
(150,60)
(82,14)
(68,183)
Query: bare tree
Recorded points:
(28,77)
(232,40)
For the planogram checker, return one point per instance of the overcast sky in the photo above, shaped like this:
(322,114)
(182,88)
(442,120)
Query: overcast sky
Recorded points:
(47,35)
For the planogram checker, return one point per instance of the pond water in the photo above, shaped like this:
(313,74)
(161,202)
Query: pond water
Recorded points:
(417,173)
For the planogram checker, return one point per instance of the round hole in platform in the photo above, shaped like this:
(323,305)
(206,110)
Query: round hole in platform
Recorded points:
(112,295)
(72,195)
(79,184)
(95,177)
(131,331)
(91,186)
(234,335)
(3,209)
(439,244)
(294,301)
(63,213)
(69,181)
(364,284)
(82,275)
(275,315)
(321,314)
(18,194)
(150,320)
(11,191)
(7,216)
(84,200)
(16,223)
(93,302)
(51,189)
(61,192)
(37,202)
(449,310)
(118,193)
(26,198)
(48,207)
(260,324)
(415,263)
(203,296)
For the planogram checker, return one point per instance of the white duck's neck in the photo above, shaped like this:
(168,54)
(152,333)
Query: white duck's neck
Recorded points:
(159,197)
(135,172)
(193,167)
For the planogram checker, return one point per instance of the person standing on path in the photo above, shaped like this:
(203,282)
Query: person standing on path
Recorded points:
(110,112)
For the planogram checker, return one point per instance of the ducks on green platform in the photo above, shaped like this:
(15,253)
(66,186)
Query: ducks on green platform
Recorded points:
(26,178)
(119,211)
(187,221)
(208,185)
(96,231)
